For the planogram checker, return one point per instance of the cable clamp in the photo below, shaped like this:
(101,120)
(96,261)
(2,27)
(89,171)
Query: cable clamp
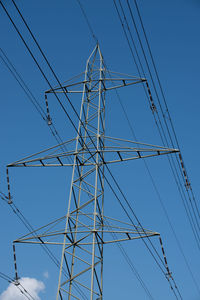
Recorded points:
(16,282)
(49,120)
(153,107)
(8,199)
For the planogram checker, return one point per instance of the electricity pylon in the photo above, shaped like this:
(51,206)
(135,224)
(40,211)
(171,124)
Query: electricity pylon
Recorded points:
(84,230)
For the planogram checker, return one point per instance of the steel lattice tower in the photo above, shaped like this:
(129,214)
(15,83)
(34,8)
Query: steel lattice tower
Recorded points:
(84,230)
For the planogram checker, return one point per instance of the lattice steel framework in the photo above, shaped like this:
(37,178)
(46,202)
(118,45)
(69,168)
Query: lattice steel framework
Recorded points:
(84,230)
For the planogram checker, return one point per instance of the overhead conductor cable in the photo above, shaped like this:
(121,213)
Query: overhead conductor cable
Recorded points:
(59,102)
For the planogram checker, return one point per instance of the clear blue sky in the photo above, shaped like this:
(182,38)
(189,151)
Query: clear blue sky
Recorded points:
(173,28)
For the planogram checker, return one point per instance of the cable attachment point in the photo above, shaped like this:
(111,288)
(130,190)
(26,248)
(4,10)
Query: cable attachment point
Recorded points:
(49,120)
(16,282)
(8,183)
(152,105)
(10,200)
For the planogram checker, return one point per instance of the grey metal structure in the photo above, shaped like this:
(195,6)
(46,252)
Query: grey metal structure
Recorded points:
(84,230)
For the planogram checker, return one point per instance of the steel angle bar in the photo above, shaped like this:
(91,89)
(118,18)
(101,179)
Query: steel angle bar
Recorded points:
(124,75)
(81,223)
(82,206)
(45,150)
(136,157)
(86,174)
(77,257)
(42,162)
(42,227)
(72,78)
(65,88)
(80,273)
(131,238)
(79,283)
(84,250)
(69,293)
(83,189)
(137,143)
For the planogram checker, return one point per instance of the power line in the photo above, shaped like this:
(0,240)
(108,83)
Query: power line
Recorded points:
(192,218)
(74,109)
(133,134)
(18,285)
(167,110)
(87,21)
(31,230)
(17,211)
(163,95)
(43,72)
(92,33)
(6,277)
(31,97)
(129,206)
(132,267)
(36,62)
(47,79)
(180,247)
(160,199)
(21,82)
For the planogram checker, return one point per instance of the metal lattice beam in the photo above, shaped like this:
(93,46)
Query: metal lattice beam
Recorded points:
(84,230)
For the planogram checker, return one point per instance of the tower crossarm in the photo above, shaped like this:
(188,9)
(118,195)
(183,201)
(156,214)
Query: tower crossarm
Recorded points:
(112,153)
(112,80)
(113,231)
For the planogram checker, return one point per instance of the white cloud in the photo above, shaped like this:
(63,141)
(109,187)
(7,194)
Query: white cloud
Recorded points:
(33,287)
(46,274)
